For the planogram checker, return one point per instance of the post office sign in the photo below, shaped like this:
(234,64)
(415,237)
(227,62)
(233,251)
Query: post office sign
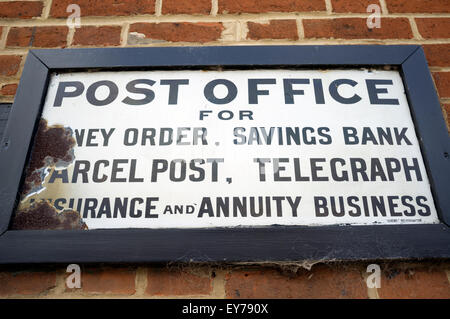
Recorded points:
(272,153)
(189,149)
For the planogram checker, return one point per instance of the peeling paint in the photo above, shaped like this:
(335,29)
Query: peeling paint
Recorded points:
(229,32)
(139,38)
(137,35)
(43,215)
(53,146)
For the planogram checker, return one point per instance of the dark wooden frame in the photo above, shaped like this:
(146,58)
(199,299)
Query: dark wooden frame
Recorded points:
(272,243)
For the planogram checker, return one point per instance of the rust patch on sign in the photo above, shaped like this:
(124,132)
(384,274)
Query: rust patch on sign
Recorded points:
(43,215)
(52,145)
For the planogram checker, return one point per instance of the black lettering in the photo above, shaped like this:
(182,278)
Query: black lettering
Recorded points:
(149,95)
(62,93)
(113,92)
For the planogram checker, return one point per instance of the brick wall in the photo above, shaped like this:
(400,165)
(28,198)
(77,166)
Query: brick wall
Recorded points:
(333,280)
(42,24)
(113,23)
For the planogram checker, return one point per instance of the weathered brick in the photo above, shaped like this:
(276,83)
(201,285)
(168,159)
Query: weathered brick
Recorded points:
(186,7)
(9,89)
(9,64)
(117,281)
(46,37)
(418,6)
(92,35)
(19,37)
(21,9)
(442,80)
(103,7)
(356,6)
(26,283)
(254,6)
(275,29)
(176,32)
(434,28)
(176,282)
(414,283)
(321,282)
(356,28)
(446,107)
(437,54)
(43,37)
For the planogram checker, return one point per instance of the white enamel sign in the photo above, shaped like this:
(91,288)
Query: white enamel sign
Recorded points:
(187,149)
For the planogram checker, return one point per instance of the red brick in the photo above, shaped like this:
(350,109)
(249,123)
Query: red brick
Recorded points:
(43,37)
(176,282)
(276,29)
(26,283)
(9,89)
(437,54)
(434,28)
(176,32)
(418,6)
(447,108)
(321,282)
(356,6)
(254,6)
(442,80)
(186,7)
(118,281)
(19,37)
(21,9)
(356,28)
(9,64)
(414,283)
(103,7)
(91,35)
